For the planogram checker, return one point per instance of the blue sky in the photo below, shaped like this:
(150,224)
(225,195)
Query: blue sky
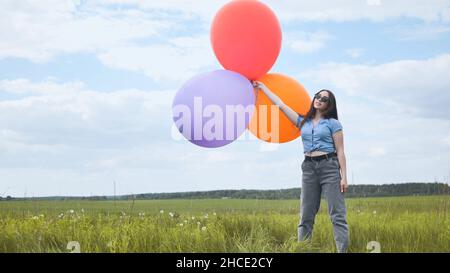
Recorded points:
(86,89)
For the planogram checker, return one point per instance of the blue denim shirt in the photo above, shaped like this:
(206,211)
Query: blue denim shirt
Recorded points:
(319,137)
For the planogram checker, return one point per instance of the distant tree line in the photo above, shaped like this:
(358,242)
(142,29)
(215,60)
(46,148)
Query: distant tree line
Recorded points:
(7,198)
(405,189)
(294,193)
(398,189)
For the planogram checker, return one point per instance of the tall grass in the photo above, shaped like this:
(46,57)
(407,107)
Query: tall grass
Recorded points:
(400,224)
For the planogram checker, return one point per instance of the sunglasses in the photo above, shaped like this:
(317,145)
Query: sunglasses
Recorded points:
(321,99)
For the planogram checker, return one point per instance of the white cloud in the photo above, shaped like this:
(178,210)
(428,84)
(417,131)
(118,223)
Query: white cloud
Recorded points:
(220,156)
(386,146)
(40,30)
(180,59)
(150,36)
(377,151)
(351,10)
(302,42)
(205,9)
(75,115)
(416,32)
(47,87)
(416,87)
(355,53)
(321,10)
(447,140)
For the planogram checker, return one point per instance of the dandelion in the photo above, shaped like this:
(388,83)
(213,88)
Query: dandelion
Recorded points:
(82,210)
(185,221)
(35,218)
(206,216)
(359,211)
(374,212)
(193,217)
(161,211)
(203,228)
(141,214)
(71,211)
(198,223)
(181,224)
(41,215)
(215,214)
(171,214)
(61,215)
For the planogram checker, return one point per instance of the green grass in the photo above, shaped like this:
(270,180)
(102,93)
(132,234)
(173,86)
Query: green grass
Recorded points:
(399,224)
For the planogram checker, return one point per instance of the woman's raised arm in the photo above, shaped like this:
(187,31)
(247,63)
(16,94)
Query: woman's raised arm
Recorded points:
(291,114)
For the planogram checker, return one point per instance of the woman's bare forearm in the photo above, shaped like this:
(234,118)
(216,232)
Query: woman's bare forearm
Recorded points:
(338,139)
(343,165)
(291,114)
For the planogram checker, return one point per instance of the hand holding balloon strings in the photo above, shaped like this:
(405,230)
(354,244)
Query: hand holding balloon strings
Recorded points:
(257,87)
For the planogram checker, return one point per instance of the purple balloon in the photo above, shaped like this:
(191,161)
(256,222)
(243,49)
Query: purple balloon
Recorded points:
(213,109)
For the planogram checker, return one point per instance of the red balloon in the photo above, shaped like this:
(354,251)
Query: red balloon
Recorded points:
(246,38)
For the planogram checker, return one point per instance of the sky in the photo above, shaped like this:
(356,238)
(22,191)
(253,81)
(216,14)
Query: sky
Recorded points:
(86,89)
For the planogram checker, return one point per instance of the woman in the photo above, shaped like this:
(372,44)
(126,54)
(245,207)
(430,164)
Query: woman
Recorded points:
(324,167)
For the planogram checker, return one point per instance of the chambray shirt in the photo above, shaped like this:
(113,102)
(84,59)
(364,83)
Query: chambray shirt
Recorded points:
(319,137)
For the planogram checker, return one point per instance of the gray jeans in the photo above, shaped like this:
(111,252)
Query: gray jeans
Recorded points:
(323,177)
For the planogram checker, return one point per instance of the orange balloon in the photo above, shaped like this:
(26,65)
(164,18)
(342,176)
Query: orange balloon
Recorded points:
(268,122)
(246,37)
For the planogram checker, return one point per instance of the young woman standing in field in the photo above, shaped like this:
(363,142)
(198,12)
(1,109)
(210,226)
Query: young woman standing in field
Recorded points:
(324,166)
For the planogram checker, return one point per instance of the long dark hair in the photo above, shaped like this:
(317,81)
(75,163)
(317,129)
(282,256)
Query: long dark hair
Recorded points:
(331,111)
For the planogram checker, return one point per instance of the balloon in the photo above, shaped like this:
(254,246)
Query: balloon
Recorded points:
(269,123)
(246,38)
(213,109)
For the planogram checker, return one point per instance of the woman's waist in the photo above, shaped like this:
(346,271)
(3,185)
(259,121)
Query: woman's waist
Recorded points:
(312,151)
(320,156)
(316,153)
(322,144)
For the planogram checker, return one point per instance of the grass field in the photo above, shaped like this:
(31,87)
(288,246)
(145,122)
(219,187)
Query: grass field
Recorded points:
(399,224)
